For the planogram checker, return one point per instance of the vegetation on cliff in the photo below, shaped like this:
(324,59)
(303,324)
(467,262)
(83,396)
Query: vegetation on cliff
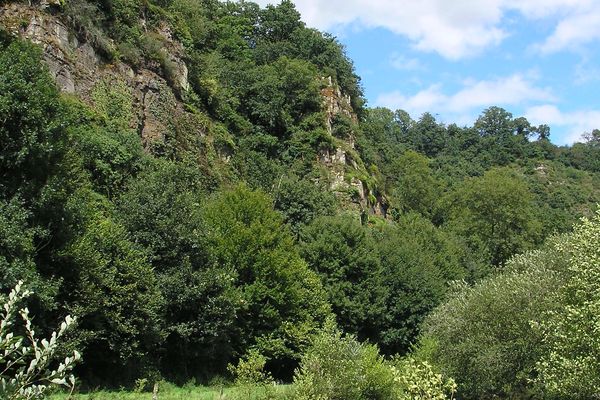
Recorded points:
(242,197)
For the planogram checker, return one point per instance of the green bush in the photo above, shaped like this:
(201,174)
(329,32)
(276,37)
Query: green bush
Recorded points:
(570,365)
(338,367)
(483,333)
(251,379)
(417,380)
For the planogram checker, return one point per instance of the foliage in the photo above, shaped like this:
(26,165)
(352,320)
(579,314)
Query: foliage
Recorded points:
(419,261)
(177,267)
(302,201)
(113,100)
(30,131)
(417,380)
(337,366)
(282,302)
(116,296)
(413,185)
(25,362)
(344,254)
(483,333)
(569,366)
(17,248)
(250,377)
(495,213)
(111,155)
(162,212)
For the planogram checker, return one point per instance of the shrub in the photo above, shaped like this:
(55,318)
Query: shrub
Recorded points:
(417,380)
(340,367)
(570,364)
(251,379)
(483,333)
(25,362)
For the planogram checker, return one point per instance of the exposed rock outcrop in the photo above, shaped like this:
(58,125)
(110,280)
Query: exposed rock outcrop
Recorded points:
(348,176)
(78,68)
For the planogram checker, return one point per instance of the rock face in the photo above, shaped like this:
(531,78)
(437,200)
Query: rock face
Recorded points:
(346,170)
(156,95)
(78,68)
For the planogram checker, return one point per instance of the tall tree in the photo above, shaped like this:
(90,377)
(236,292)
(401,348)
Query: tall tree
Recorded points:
(495,213)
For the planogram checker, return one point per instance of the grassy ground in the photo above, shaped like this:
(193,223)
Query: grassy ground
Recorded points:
(171,392)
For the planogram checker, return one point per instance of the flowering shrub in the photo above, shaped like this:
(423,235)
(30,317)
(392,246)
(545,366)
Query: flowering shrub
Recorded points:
(25,361)
(416,380)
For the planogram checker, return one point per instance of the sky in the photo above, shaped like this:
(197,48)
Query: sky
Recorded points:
(454,58)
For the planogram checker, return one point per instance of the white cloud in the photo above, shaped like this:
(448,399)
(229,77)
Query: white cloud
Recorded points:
(575,30)
(585,73)
(459,28)
(473,96)
(576,122)
(454,29)
(401,62)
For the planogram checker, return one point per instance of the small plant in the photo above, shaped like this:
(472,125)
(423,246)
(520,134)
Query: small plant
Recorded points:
(25,371)
(417,380)
(140,385)
(251,379)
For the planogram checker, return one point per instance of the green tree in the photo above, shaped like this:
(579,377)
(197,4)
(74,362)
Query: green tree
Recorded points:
(419,261)
(301,201)
(278,22)
(344,254)
(116,297)
(427,136)
(495,213)
(31,132)
(413,185)
(162,211)
(17,246)
(281,94)
(282,301)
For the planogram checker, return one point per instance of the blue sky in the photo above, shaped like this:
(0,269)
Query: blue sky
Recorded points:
(454,58)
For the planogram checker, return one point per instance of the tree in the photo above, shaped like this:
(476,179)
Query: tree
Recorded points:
(162,210)
(495,213)
(344,254)
(282,301)
(427,136)
(115,294)
(31,132)
(280,94)
(592,138)
(419,261)
(495,121)
(301,201)
(413,185)
(17,246)
(277,23)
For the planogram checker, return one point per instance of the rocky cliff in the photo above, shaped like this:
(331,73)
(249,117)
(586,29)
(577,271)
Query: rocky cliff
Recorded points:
(349,177)
(157,97)
(79,69)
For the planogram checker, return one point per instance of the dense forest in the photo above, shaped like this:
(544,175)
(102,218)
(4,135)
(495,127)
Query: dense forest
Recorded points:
(256,208)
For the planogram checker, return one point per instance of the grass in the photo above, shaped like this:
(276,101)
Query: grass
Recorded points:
(171,392)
